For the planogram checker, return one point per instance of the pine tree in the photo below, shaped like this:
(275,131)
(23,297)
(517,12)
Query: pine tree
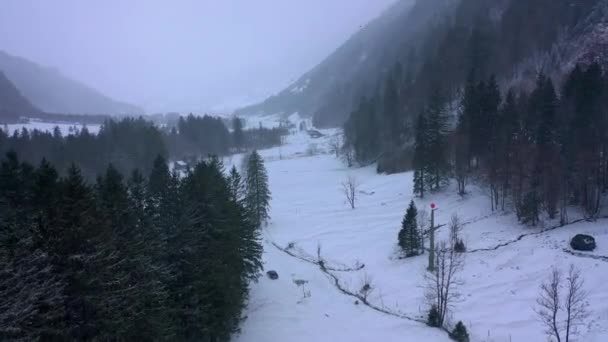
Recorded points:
(238,137)
(437,163)
(421,156)
(490,106)
(89,263)
(390,107)
(460,333)
(14,191)
(258,197)
(409,236)
(136,186)
(529,210)
(237,188)
(72,237)
(114,202)
(433,317)
(162,198)
(214,228)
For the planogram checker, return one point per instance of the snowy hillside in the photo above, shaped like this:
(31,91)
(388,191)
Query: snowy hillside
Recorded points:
(502,273)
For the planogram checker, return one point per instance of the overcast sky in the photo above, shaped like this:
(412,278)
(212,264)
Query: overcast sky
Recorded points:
(182,54)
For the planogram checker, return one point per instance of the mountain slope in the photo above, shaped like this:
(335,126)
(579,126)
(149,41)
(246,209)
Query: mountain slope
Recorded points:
(53,92)
(327,91)
(12,103)
(433,39)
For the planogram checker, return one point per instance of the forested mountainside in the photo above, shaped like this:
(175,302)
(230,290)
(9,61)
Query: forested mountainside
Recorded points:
(12,103)
(512,95)
(511,40)
(328,90)
(438,41)
(53,92)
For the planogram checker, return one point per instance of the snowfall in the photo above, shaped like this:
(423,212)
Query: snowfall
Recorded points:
(309,213)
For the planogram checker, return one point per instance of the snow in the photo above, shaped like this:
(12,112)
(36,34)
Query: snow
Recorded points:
(300,88)
(309,210)
(49,127)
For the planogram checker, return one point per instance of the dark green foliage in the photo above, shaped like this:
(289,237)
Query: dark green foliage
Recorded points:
(200,136)
(236,185)
(421,157)
(433,318)
(238,138)
(459,246)
(460,333)
(134,144)
(127,144)
(257,198)
(409,236)
(419,187)
(437,165)
(164,259)
(431,165)
(362,133)
(538,152)
(529,209)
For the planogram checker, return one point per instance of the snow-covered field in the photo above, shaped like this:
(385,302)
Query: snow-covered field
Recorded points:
(309,210)
(66,128)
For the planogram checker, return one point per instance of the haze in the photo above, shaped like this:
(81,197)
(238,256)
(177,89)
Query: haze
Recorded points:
(187,55)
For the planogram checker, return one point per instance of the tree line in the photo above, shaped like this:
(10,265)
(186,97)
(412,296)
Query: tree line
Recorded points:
(148,257)
(131,143)
(538,146)
(540,152)
(478,37)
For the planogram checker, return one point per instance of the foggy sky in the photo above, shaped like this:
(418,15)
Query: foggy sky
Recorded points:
(185,55)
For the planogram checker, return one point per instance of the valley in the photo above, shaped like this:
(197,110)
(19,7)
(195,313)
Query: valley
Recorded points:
(500,287)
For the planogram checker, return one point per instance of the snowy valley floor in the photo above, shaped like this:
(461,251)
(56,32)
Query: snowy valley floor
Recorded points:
(501,286)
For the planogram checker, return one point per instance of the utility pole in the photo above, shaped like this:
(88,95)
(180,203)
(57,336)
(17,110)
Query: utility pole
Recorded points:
(431,267)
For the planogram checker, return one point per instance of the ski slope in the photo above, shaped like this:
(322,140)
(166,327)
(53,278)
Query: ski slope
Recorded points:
(500,286)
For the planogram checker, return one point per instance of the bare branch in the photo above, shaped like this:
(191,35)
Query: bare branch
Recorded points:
(548,304)
(442,283)
(575,303)
(367,287)
(349,188)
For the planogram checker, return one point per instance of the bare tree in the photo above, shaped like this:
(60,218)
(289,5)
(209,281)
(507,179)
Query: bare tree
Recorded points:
(574,307)
(455,229)
(575,302)
(335,145)
(348,155)
(349,188)
(461,161)
(442,283)
(548,304)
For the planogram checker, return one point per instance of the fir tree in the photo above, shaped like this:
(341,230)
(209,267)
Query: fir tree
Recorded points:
(238,137)
(421,156)
(460,333)
(409,236)
(528,211)
(433,317)
(237,188)
(438,166)
(258,197)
